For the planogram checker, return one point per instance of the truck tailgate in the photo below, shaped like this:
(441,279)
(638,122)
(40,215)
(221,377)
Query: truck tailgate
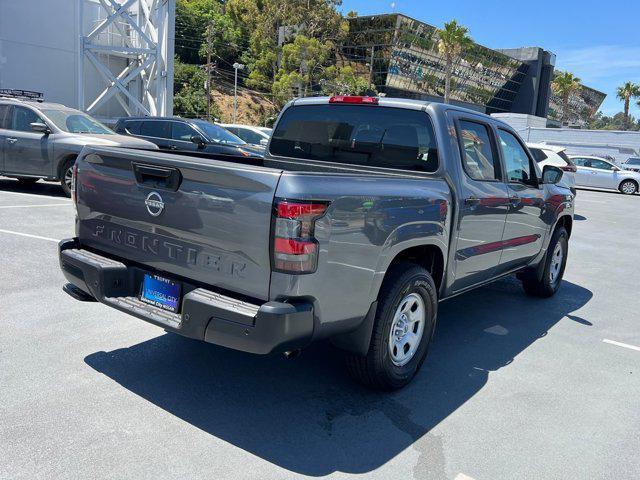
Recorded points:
(205,220)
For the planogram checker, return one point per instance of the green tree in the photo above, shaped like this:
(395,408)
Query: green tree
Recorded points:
(189,95)
(625,93)
(453,39)
(345,81)
(302,66)
(564,85)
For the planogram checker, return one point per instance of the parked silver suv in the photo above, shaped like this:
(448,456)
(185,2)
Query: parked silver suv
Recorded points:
(42,140)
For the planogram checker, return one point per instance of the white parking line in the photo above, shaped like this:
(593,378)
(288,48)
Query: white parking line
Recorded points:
(620,344)
(20,234)
(34,206)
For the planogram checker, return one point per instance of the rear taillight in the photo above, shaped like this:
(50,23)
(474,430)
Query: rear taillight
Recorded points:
(295,249)
(569,168)
(354,100)
(74,183)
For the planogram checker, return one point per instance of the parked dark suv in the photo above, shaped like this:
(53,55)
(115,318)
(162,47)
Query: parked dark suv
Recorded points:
(174,134)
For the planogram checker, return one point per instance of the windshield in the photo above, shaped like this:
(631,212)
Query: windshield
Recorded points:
(633,161)
(218,134)
(73,121)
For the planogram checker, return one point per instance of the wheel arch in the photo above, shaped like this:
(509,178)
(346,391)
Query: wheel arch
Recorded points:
(633,180)
(62,161)
(430,256)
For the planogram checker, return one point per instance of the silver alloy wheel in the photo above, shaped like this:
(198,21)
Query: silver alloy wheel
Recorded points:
(628,187)
(68,176)
(556,263)
(407,329)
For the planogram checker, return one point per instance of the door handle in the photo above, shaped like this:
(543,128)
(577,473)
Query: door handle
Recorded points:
(12,140)
(515,201)
(472,201)
(173,147)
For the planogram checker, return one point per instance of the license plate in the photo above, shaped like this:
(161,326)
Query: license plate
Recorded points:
(160,292)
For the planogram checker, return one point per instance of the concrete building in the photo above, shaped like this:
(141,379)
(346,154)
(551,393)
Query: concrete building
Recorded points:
(400,56)
(110,58)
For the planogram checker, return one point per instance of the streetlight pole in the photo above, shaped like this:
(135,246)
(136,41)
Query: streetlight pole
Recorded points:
(236,66)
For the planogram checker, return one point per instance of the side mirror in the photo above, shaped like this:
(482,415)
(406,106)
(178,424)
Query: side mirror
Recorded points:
(616,169)
(198,140)
(40,127)
(264,142)
(551,174)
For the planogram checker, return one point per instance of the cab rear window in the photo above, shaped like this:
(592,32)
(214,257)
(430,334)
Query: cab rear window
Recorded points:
(357,135)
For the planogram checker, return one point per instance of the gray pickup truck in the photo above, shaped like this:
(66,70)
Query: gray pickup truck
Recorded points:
(363,215)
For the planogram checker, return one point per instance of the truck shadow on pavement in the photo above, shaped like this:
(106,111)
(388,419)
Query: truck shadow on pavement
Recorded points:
(40,188)
(305,415)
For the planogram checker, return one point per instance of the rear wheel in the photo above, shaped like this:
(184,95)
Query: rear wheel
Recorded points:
(66,174)
(402,331)
(628,187)
(555,262)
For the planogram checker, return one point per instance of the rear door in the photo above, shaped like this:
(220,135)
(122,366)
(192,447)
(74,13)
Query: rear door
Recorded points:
(26,151)
(484,204)
(525,228)
(584,172)
(204,220)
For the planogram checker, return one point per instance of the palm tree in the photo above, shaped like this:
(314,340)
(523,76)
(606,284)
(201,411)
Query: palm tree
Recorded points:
(453,40)
(563,85)
(625,93)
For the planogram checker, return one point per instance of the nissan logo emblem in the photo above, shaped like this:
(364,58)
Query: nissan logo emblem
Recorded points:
(154,203)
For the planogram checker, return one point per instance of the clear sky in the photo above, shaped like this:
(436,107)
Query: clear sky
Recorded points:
(599,41)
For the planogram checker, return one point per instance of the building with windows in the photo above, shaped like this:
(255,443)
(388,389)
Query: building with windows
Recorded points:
(400,57)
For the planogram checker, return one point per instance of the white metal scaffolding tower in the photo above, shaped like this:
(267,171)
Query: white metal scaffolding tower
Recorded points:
(131,48)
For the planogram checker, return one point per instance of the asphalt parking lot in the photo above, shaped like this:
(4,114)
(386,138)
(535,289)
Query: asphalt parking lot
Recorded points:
(514,387)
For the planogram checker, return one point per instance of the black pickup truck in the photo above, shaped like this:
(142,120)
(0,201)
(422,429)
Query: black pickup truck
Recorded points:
(362,216)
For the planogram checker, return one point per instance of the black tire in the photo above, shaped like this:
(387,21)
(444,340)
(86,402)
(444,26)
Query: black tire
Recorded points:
(628,187)
(26,181)
(67,167)
(548,285)
(376,369)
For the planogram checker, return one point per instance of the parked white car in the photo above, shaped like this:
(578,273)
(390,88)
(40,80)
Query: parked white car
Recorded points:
(596,172)
(553,155)
(250,134)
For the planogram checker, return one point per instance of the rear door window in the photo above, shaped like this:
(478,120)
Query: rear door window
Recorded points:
(373,136)
(155,128)
(478,156)
(538,154)
(133,127)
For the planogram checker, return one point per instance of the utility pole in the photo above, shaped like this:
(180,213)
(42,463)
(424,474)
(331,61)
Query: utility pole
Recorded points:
(208,67)
(236,66)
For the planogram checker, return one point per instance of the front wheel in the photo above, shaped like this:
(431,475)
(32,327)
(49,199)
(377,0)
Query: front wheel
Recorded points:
(66,174)
(555,262)
(402,331)
(628,187)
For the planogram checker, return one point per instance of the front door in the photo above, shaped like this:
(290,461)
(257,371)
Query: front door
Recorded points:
(484,205)
(26,152)
(525,228)
(603,174)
